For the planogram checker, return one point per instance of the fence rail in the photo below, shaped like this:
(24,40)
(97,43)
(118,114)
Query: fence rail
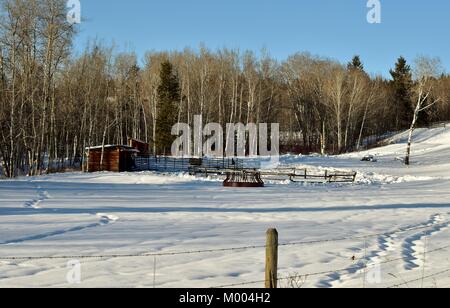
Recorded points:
(175,164)
(293,175)
(225,166)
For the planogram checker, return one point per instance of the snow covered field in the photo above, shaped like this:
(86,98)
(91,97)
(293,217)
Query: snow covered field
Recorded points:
(403,208)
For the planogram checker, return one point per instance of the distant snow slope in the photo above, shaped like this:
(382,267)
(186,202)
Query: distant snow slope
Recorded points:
(405,209)
(430,158)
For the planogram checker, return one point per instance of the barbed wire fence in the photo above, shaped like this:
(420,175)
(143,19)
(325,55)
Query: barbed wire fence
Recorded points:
(357,265)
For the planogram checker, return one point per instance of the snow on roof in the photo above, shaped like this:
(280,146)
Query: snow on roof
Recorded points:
(109,146)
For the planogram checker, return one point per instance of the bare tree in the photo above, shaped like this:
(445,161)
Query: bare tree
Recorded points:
(426,71)
(54,105)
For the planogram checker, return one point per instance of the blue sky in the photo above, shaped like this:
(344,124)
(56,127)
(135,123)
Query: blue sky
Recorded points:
(333,28)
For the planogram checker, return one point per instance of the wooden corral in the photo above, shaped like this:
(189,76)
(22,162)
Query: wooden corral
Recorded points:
(280,174)
(116,158)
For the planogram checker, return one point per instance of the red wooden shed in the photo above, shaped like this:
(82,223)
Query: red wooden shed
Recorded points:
(116,158)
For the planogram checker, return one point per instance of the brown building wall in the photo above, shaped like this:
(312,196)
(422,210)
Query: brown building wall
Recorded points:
(126,161)
(142,147)
(115,159)
(111,160)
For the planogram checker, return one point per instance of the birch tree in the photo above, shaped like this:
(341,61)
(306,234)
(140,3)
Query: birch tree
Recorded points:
(426,71)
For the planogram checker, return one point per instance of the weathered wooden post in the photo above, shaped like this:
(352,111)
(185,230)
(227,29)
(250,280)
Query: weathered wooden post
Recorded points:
(271,280)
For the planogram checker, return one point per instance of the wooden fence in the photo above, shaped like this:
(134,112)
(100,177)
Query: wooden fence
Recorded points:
(174,164)
(282,174)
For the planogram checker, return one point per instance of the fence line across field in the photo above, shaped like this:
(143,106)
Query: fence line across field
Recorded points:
(231,249)
(271,246)
(405,283)
(325,273)
(352,267)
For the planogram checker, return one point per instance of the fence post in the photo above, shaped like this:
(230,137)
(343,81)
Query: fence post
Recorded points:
(271,280)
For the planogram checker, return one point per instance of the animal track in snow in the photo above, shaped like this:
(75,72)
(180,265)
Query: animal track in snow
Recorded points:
(42,195)
(387,243)
(413,246)
(104,220)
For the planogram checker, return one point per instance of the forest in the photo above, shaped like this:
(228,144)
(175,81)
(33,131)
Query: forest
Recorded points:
(54,102)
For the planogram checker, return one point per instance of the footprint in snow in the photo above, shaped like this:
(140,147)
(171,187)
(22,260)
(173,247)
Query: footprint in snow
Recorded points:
(42,195)
(105,219)
(387,243)
(413,247)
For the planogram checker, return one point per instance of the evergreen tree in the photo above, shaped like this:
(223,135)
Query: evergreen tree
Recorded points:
(356,64)
(402,84)
(169,96)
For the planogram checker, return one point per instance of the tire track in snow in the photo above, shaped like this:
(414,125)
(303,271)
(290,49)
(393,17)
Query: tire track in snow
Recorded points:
(104,220)
(413,246)
(385,244)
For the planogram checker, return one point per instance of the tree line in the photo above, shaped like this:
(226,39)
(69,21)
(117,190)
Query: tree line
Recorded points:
(54,104)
